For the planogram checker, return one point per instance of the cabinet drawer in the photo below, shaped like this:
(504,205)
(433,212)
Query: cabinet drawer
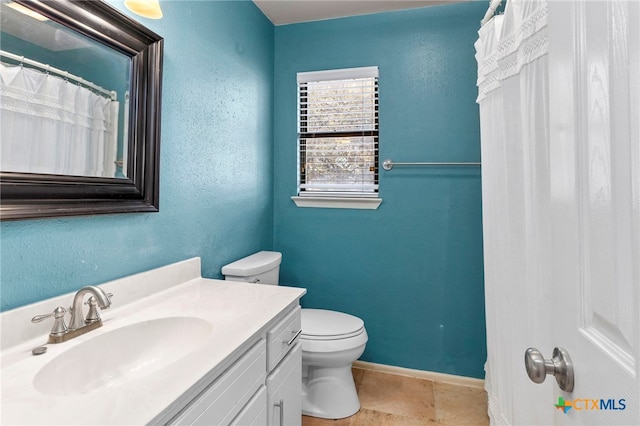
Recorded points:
(282,337)
(230,392)
(255,412)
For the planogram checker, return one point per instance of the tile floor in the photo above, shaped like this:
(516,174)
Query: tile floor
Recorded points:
(394,400)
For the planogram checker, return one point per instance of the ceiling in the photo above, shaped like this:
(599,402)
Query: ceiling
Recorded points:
(41,32)
(282,12)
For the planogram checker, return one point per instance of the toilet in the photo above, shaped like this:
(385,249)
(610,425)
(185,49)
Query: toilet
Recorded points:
(331,341)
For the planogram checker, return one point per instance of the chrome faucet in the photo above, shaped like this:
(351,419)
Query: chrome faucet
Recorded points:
(102,299)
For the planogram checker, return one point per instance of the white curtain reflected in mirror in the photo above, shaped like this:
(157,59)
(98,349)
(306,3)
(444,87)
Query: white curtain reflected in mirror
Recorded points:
(59,98)
(77,128)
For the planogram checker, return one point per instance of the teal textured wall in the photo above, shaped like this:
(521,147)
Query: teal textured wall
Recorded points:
(412,270)
(216,166)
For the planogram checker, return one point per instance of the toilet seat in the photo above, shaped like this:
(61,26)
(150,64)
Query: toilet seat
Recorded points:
(329,331)
(320,324)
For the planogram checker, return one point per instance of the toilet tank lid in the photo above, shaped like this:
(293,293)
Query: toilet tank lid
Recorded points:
(257,263)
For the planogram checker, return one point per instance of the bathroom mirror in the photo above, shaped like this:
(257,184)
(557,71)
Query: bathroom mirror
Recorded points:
(80,110)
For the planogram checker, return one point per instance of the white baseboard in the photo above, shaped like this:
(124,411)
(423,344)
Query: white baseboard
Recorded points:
(421,374)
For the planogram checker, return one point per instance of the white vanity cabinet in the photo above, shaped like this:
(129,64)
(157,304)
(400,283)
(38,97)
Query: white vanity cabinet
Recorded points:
(284,382)
(262,386)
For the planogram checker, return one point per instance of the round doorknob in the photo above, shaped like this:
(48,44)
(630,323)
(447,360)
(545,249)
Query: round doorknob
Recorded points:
(559,366)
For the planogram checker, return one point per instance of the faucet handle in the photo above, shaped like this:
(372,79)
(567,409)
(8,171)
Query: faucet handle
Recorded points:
(93,315)
(59,327)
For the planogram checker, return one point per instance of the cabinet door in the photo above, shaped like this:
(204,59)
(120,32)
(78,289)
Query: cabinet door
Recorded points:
(284,388)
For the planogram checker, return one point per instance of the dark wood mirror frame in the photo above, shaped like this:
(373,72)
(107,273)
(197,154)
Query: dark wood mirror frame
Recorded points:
(30,195)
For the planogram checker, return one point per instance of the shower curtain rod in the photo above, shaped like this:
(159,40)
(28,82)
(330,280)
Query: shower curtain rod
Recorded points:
(388,164)
(493,5)
(49,69)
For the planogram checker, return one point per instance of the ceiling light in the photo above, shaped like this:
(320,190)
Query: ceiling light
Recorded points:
(145,8)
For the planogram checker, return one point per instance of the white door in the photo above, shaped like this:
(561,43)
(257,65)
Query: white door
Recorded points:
(559,94)
(594,181)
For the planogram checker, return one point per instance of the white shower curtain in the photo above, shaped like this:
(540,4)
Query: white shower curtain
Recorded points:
(514,114)
(53,126)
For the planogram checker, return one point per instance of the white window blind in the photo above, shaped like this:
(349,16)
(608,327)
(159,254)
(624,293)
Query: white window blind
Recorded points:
(338,133)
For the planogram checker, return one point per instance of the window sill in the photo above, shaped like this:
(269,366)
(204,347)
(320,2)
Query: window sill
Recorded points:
(338,202)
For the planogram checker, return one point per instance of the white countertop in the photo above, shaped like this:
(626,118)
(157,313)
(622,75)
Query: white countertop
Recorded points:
(238,312)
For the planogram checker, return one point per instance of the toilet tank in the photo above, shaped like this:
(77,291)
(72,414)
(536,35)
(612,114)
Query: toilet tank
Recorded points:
(262,267)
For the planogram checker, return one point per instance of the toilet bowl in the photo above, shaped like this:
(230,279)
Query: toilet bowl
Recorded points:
(331,341)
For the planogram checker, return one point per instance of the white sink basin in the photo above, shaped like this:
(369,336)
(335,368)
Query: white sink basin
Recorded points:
(121,355)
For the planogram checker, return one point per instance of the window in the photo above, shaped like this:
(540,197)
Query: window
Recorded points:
(338,136)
